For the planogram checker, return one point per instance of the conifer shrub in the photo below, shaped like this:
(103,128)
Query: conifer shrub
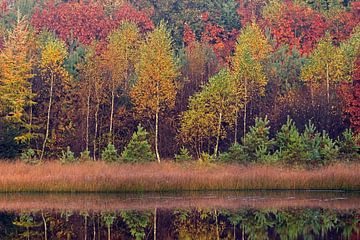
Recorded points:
(257,143)
(29,156)
(67,156)
(235,153)
(109,154)
(288,142)
(85,155)
(184,155)
(348,145)
(138,149)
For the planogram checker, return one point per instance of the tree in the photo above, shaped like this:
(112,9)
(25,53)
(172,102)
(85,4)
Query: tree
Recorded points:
(16,65)
(214,105)
(53,54)
(155,88)
(326,66)
(252,48)
(119,61)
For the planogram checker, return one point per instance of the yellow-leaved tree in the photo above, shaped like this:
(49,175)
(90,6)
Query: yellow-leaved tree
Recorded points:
(53,55)
(326,67)
(156,71)
(16,64)
(251,49)
(119,62)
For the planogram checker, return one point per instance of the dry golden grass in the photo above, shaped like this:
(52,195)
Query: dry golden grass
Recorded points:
(102,177)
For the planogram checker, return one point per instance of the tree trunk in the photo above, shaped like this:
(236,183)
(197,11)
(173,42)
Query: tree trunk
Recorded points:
(45,226)
(85,230)
(155,229)
(218,135)
(87,120)
(327,84)
(236,126)
(94,227)
(112,114)
(217,226)
(245,109)
(109,231)
(96,127)
(48,115)
(157,124)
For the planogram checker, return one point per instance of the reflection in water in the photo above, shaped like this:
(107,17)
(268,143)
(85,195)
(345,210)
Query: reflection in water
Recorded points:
(232,215)
(293,223)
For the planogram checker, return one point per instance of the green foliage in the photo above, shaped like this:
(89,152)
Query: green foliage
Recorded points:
(348,145)
(137,222)
(206,158)
(289,143)
(138,149)
(236,153)
(67,156)
(85,155)
(29,156)
(109,154)
(318,148)
(257,143)
(184,155)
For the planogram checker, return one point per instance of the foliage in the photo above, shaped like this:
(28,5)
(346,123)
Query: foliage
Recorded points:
(137,222)
(29,156)
(348,145)
(138,149)
(257,143)
(235,153)
(67,156)
(184,155)
(85,155)
(109,154)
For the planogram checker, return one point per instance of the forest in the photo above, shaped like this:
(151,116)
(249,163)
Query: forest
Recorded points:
(143,80)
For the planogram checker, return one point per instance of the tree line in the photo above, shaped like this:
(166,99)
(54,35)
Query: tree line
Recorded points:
(84,75)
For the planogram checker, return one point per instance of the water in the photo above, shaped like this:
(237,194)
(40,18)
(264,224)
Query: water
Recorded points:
(195,215)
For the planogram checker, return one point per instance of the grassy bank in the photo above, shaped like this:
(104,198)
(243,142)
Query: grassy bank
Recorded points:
(102,177)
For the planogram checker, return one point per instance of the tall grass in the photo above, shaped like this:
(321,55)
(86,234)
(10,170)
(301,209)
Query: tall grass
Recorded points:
(102,177)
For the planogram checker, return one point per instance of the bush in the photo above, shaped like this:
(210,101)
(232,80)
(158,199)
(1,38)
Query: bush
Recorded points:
(328,148)
(257,143)
(138,149)
(109,154)
(183,155)
(85,155)
(206,158)
(235,153)
(67,156)
(29,157)
(289,143)
(348,145)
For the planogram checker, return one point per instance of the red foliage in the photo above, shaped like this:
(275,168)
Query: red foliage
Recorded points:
(297,26)
(189,35)
(130,14)
(85,21)
(351,96)
(342,24)
(222,41)
(3,7)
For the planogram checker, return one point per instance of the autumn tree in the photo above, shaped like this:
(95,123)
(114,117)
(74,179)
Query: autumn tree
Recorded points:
(156,70)
(119,61)
(16,64)
(325,67)
(53,54)
(252,48)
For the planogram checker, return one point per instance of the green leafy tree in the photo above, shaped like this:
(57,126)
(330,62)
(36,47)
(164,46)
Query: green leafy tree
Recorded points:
(138,149)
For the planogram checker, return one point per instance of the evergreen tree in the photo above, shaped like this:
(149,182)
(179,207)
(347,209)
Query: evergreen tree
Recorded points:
(138,149)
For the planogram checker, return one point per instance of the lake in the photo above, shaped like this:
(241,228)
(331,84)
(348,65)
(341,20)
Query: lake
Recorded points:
(183,215)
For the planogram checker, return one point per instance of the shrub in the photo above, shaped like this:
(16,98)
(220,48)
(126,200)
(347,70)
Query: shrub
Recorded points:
(348,146)
(328,148)
(67,156)
(109,154)
(289,143)
(29,157)
(184,155)
(206,158)
(138,149)
(235,153)
(85,155)
(257,143)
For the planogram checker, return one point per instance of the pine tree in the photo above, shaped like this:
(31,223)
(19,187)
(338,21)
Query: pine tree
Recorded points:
(138,149)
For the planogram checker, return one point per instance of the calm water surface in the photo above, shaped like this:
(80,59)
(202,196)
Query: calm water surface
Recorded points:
(202,215)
